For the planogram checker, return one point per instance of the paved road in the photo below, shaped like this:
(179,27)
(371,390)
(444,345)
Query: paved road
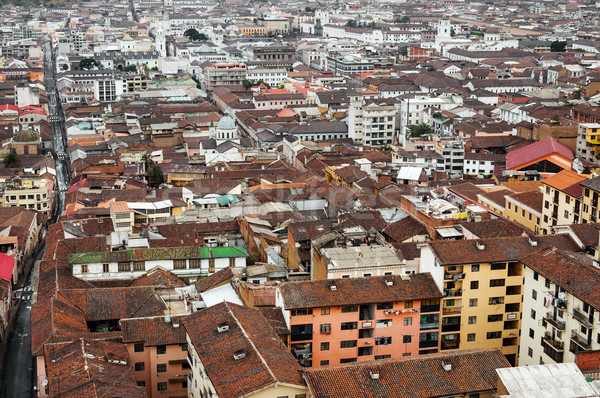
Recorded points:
(59,134)
(17,378)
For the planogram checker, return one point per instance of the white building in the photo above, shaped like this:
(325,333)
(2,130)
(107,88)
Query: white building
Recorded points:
(272,77)
(373,122)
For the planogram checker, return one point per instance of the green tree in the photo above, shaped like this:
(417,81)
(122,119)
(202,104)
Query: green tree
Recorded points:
(558,46)
(155,175)
(431,69)
(11,160)
(130,68)
(89,63)
(65,66)
(404,19)
(351,23)
(418,130)
(452,32)
(194,35)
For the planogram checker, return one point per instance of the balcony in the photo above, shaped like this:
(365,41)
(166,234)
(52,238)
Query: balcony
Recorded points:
(553,348)
(430,308)
(549,318)
(452,292)
(579,341)
(451,310)
(582,317)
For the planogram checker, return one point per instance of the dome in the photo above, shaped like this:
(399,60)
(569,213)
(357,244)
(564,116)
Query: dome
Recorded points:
(226,123)
(25,136)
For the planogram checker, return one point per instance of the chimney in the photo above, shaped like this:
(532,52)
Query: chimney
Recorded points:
(389,283)
(447,367)
(374,376)
(532,242)
(333,288)
(480,246)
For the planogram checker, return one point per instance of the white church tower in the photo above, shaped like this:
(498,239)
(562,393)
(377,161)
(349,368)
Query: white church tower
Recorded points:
(160,42)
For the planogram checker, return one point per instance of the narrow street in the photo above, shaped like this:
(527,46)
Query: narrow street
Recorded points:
(17,376)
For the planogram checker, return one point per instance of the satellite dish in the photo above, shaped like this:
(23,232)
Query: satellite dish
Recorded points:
(561,295)
(45,383)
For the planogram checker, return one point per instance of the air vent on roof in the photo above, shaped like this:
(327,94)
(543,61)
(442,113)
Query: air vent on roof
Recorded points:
(333,288)
(374,376)
(480,246)
(239,355)
(532,242)
(447,367)
(175,325)
(167,318)
(389,283)
(223,327)
(405,277)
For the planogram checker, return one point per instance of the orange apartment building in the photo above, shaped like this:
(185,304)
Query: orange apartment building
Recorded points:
(360,319)
(157,347)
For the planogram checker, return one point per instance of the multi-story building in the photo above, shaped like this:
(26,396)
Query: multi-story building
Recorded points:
(359,319)
(561,309)
(234,352)
(158,349)
(32,193)
(589,200)
(133,263)
(281,54)
(272,77)
(526,209)
(224,75)
(563,194)
(482,283)
(372,122)
(453,152)
(588,141)
(349,65)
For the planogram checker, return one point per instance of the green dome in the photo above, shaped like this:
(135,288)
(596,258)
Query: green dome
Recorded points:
(25,136)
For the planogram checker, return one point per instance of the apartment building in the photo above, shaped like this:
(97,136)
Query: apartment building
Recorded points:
(588,141)
(244,356)
(372,122)
(589,200)
(526,209)
(158,349)
(482,283)
(561,309)
(33,193)
(360,319)
(191,261)
(563,195)
(273,77)
(453,152)
(224,75)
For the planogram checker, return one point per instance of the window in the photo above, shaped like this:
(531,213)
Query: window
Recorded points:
(472,320)
(303,311)
(326,328)
(474,395)
(124,267)
(139,366)
(495,318)
(383,341)
(534,294)
(532,314)
(138,347)
(385,306)
(383,356)
(324,346)
(408,321)
(497,266)
(473,303)
(408,304)
(475,268)
(179,264)
(105,268)
(161,386)
(535,275)
(547,283)
(325,311)
(84,268)
(474,285)
(494,335)
(347,360)
(161,349)
(471,337)
(348,344)
(211,265)
(531,333)
(232,262)
(350,308)
(530,352)
(161,368)
(141,383)
(407,338)
(195,263)
(139,266)
(184,347)
(496,282)
(324,363)
(348,325)
(383,323)
(496,300)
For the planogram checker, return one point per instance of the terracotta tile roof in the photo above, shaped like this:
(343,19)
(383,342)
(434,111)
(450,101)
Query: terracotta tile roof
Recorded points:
(307,230)
(564,179)
(158,277)
(467,190)
(535,151)
(471,371)
(153,331)
(404,229)
(495,249)
(532,199)
(496,196)
(494,228)
(217,279)
(351,291)
(367,219)
(410,250)
(568,272)
(267,361)
(586,233)
(90,368)
(351,174)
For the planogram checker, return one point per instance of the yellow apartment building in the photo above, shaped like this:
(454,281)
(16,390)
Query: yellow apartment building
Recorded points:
(526,209)
(563,200)
(33,193)
(589,199)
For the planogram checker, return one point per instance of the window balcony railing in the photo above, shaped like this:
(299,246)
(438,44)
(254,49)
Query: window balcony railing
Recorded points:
(582,317)
(580,341)
(560,325)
